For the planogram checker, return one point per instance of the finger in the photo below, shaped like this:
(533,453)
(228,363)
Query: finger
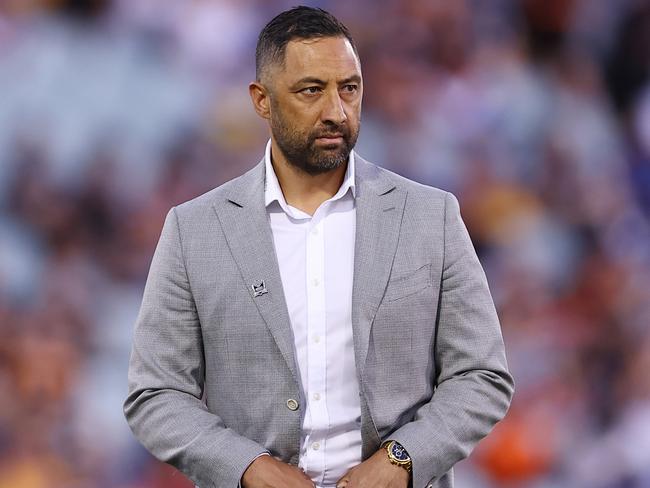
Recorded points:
(342,483)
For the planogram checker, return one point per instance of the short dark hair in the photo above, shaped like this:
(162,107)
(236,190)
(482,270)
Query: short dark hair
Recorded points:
(297,23)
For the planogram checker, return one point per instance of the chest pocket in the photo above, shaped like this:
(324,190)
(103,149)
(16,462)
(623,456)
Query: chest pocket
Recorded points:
(404,285)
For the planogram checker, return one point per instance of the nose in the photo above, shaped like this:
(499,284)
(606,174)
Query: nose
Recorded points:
(333,110)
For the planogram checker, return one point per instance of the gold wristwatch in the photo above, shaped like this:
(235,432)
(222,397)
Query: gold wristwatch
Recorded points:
(397,455)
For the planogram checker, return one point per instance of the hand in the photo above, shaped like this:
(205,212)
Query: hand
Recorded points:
(375,472)
(268,472)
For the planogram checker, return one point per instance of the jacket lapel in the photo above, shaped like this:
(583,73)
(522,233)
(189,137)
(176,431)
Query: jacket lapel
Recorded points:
(380,205)
(246,227)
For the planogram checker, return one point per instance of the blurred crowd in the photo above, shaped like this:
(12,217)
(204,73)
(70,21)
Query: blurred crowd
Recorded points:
(535,113)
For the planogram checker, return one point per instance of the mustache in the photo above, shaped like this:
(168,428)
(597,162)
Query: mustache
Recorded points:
(332,131)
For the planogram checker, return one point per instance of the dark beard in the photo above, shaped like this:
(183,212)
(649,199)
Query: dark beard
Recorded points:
(301,150)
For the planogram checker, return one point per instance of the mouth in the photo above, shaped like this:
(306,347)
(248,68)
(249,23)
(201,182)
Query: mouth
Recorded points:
(330,139)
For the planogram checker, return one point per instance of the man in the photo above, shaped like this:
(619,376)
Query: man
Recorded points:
(317,321)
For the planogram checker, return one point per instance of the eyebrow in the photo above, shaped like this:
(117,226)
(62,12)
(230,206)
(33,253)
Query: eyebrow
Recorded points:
(317,81)
(351,79)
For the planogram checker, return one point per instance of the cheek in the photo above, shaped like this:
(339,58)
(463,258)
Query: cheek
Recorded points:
(353,111)
(301,118)
(292,127)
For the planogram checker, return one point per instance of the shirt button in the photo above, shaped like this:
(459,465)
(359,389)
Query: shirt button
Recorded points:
(315,446)
(316,339)
(316,396)
(292,404)
(314,231)
(316,282)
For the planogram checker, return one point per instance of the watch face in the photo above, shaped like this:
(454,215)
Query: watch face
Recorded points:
(399,452)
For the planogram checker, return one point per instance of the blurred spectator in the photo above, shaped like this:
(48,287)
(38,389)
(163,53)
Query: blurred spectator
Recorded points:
(536,113)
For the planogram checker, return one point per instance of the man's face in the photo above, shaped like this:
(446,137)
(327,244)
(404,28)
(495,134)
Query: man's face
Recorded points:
(316,103)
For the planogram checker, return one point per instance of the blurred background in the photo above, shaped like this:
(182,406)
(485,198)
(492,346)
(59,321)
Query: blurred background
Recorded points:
(535,113)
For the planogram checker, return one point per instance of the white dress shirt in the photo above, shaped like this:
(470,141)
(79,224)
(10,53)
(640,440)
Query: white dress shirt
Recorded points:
(316,259)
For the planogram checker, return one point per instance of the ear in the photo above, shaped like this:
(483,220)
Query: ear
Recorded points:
(260,97)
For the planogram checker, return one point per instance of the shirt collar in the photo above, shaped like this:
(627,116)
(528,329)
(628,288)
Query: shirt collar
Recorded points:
(273,192)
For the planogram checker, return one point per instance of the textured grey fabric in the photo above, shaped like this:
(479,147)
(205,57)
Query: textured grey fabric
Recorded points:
(213,365)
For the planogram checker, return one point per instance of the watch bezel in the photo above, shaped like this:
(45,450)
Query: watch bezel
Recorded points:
(406,463)
(403,456)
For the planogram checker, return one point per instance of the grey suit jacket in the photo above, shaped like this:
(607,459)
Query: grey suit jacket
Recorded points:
(213,366)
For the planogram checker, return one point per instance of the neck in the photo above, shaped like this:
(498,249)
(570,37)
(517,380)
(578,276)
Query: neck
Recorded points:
(302,190)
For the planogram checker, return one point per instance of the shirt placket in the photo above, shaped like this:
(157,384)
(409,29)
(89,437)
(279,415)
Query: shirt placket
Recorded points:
(316,345)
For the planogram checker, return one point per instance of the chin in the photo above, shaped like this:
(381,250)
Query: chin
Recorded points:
(325,166)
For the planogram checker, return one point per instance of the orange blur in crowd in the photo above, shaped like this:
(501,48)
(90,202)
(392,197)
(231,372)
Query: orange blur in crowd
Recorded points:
(536,114)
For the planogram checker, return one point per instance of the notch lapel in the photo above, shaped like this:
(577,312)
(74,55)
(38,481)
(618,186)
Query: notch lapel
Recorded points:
(247,230)
(380,206)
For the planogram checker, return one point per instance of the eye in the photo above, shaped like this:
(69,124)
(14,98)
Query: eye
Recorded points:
(311,90)
(350,88)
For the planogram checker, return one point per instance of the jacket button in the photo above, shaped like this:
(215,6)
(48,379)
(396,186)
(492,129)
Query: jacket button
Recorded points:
(292,404)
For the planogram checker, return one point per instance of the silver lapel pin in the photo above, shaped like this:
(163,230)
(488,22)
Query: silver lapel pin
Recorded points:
(259,288)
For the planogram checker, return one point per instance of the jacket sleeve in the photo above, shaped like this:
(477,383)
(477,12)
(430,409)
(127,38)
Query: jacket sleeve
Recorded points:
(473,386)
(166,377)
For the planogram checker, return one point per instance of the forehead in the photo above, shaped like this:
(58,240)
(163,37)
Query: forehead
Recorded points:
(322,57)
